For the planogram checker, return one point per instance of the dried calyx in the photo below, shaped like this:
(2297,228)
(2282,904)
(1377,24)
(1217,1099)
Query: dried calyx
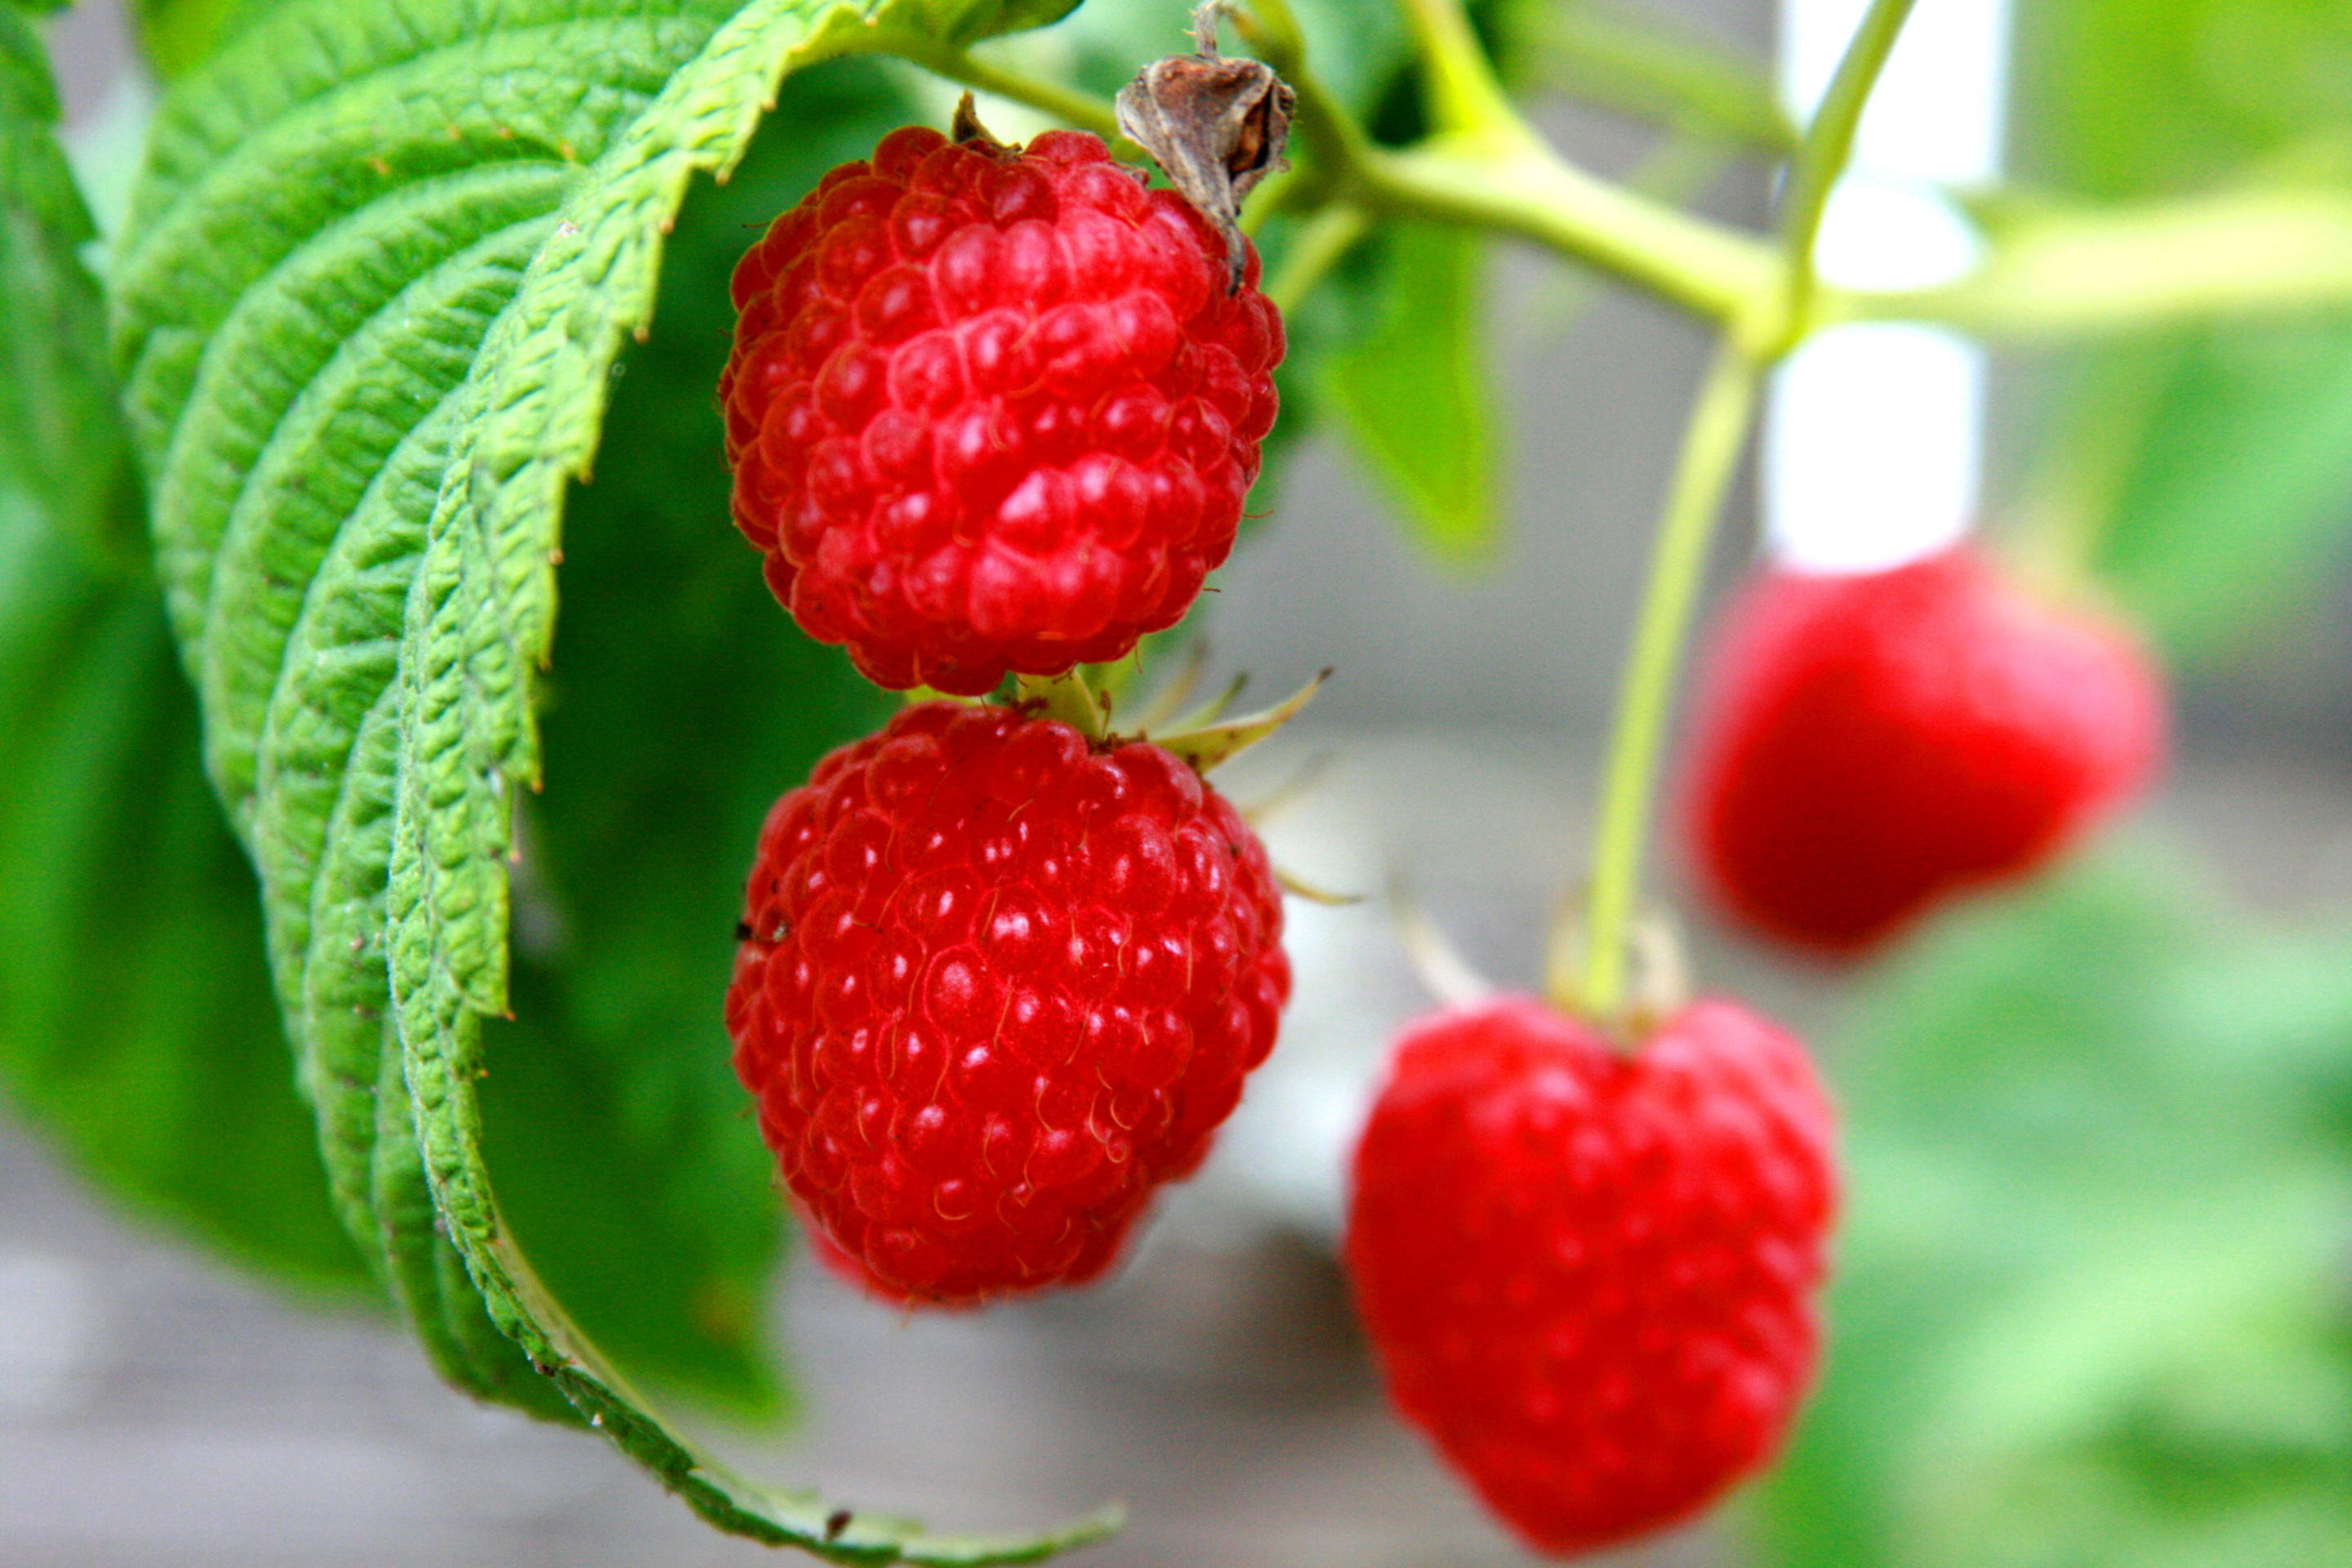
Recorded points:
(1215,127)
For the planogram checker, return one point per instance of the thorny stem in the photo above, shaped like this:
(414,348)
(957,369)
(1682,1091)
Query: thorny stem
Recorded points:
(1711,455)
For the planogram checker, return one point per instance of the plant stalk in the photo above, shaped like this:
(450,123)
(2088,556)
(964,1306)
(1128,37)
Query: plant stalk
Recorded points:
(1712,443)
(1822,156)
(1464,98)
(1493,172)
(1065,104)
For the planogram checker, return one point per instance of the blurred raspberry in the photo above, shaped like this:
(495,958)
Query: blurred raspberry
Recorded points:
(1868,744)
(1590,1277)
(993,410)
(996,988)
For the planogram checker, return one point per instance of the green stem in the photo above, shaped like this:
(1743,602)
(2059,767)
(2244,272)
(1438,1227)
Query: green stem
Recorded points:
(1821,157)
(1654,68)
(1711,455)
(1321,241)
(1709,269)
(1067,698)
(1063,103)
(1464,98)
(1501,176)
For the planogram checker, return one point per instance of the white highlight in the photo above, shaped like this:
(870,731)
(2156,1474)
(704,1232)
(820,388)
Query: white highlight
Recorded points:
(1873,442)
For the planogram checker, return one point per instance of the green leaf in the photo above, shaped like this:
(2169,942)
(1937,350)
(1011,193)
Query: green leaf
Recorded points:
(1413,394)
(2088,1308)
(180,34)
(2135,97)
(680,706)
(2240,483)
(135,1017)
(370,306)
(62,452)
(136,1023)
(2212,472)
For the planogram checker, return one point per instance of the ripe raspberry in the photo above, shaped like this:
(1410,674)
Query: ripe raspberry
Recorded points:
(996,988)
(1590,1278)
(993,410)
(1868,744)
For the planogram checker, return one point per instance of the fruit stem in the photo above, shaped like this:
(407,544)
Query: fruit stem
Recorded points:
(1710,456)
(1464,98)
(1065,104)
(1500,175)
(1067,698)
(1822,156)
(1318,245)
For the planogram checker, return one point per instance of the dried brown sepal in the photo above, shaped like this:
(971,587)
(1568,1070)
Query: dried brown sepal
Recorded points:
(966,128)
(1215,127)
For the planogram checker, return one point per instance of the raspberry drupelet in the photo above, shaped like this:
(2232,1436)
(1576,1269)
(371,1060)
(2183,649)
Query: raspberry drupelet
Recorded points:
(996,987)
(993,410)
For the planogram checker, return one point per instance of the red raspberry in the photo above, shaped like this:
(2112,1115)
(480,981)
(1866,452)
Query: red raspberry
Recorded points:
(993,410)
(996,988)
(1868,744)
(1590,1277)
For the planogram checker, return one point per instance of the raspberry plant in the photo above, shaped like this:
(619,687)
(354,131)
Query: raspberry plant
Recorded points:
(309,435)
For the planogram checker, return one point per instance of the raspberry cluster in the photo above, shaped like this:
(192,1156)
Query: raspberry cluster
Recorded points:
(993,410)
(996,987)
(1589,1276)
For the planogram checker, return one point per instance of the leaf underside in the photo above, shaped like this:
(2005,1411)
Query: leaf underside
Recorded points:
(378,275)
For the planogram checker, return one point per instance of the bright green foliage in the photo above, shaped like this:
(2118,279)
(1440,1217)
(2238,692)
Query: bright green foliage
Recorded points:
(1413,395)
(180,34)
(2230,459)
(61,449)
(368,310)
(2213,469)
(135,1015)
(2134,97)
(2088,1307)
(135,1018)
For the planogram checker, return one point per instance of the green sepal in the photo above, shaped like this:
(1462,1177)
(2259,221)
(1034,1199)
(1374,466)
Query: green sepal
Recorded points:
(1217,741)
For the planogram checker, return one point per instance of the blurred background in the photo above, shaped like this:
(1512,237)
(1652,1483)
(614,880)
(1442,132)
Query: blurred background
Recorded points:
(2095,1301)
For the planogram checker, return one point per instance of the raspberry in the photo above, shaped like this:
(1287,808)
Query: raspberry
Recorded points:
(996,987)
(1589,1278)
(991,410)
(1868,744)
